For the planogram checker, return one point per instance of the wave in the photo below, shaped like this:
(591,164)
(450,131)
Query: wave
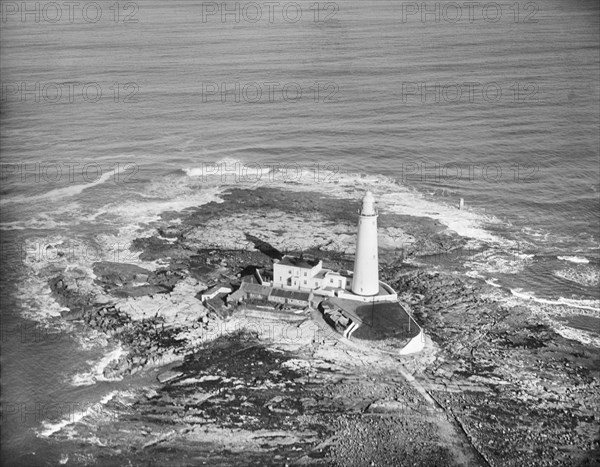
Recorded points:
(63,216)
(587,276)
(58,193)
(497,260)
(475,275)
(35,301)
(579,335)
(33,224)
(150,210)
(48,428)
(493,282)
(581,304)
(574,259)
(96,373)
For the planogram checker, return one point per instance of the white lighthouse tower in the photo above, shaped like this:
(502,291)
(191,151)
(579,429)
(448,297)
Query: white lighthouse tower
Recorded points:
(366,264)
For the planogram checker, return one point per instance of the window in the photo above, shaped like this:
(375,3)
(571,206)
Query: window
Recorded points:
(331,281)
(305,275)
(289,271)
(280,279)
(304,282)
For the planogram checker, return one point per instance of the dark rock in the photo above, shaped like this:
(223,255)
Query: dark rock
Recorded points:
(154,248)
(172,231)
(110,272)
(139,291)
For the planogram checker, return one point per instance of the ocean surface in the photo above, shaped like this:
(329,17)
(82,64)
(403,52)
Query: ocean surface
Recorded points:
(112,115)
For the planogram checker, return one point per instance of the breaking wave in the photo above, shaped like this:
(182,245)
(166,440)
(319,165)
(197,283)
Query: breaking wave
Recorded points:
(96,373)
(58,193)
(574,259)
(75,414)
(591,305)
(588,276)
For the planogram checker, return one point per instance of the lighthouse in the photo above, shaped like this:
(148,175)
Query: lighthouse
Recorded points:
(366,264)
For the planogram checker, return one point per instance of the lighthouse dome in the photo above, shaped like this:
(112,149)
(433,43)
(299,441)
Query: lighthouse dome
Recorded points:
(368,205)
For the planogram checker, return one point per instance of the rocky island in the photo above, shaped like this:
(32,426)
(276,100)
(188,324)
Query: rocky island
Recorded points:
(211,383)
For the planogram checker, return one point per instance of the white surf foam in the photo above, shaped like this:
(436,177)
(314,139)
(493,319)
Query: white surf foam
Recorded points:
(41,222)
(232,169)
(58,193)
(96,373)
(574,259)
(579,335)
(475,275)
(65,214)
(174,198)
(493,282)
(497,260)
(36,302)
(586,275)
(591,305)
(48,428)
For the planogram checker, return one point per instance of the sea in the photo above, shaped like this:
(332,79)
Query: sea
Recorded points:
(115,112)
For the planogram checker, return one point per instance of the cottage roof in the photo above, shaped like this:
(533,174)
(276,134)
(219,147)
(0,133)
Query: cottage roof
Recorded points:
(212,289)
(340,273)
(298,262)
(249,287)
(290,294)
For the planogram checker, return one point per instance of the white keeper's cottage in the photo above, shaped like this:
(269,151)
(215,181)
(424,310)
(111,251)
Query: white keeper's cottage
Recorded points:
(305,274)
